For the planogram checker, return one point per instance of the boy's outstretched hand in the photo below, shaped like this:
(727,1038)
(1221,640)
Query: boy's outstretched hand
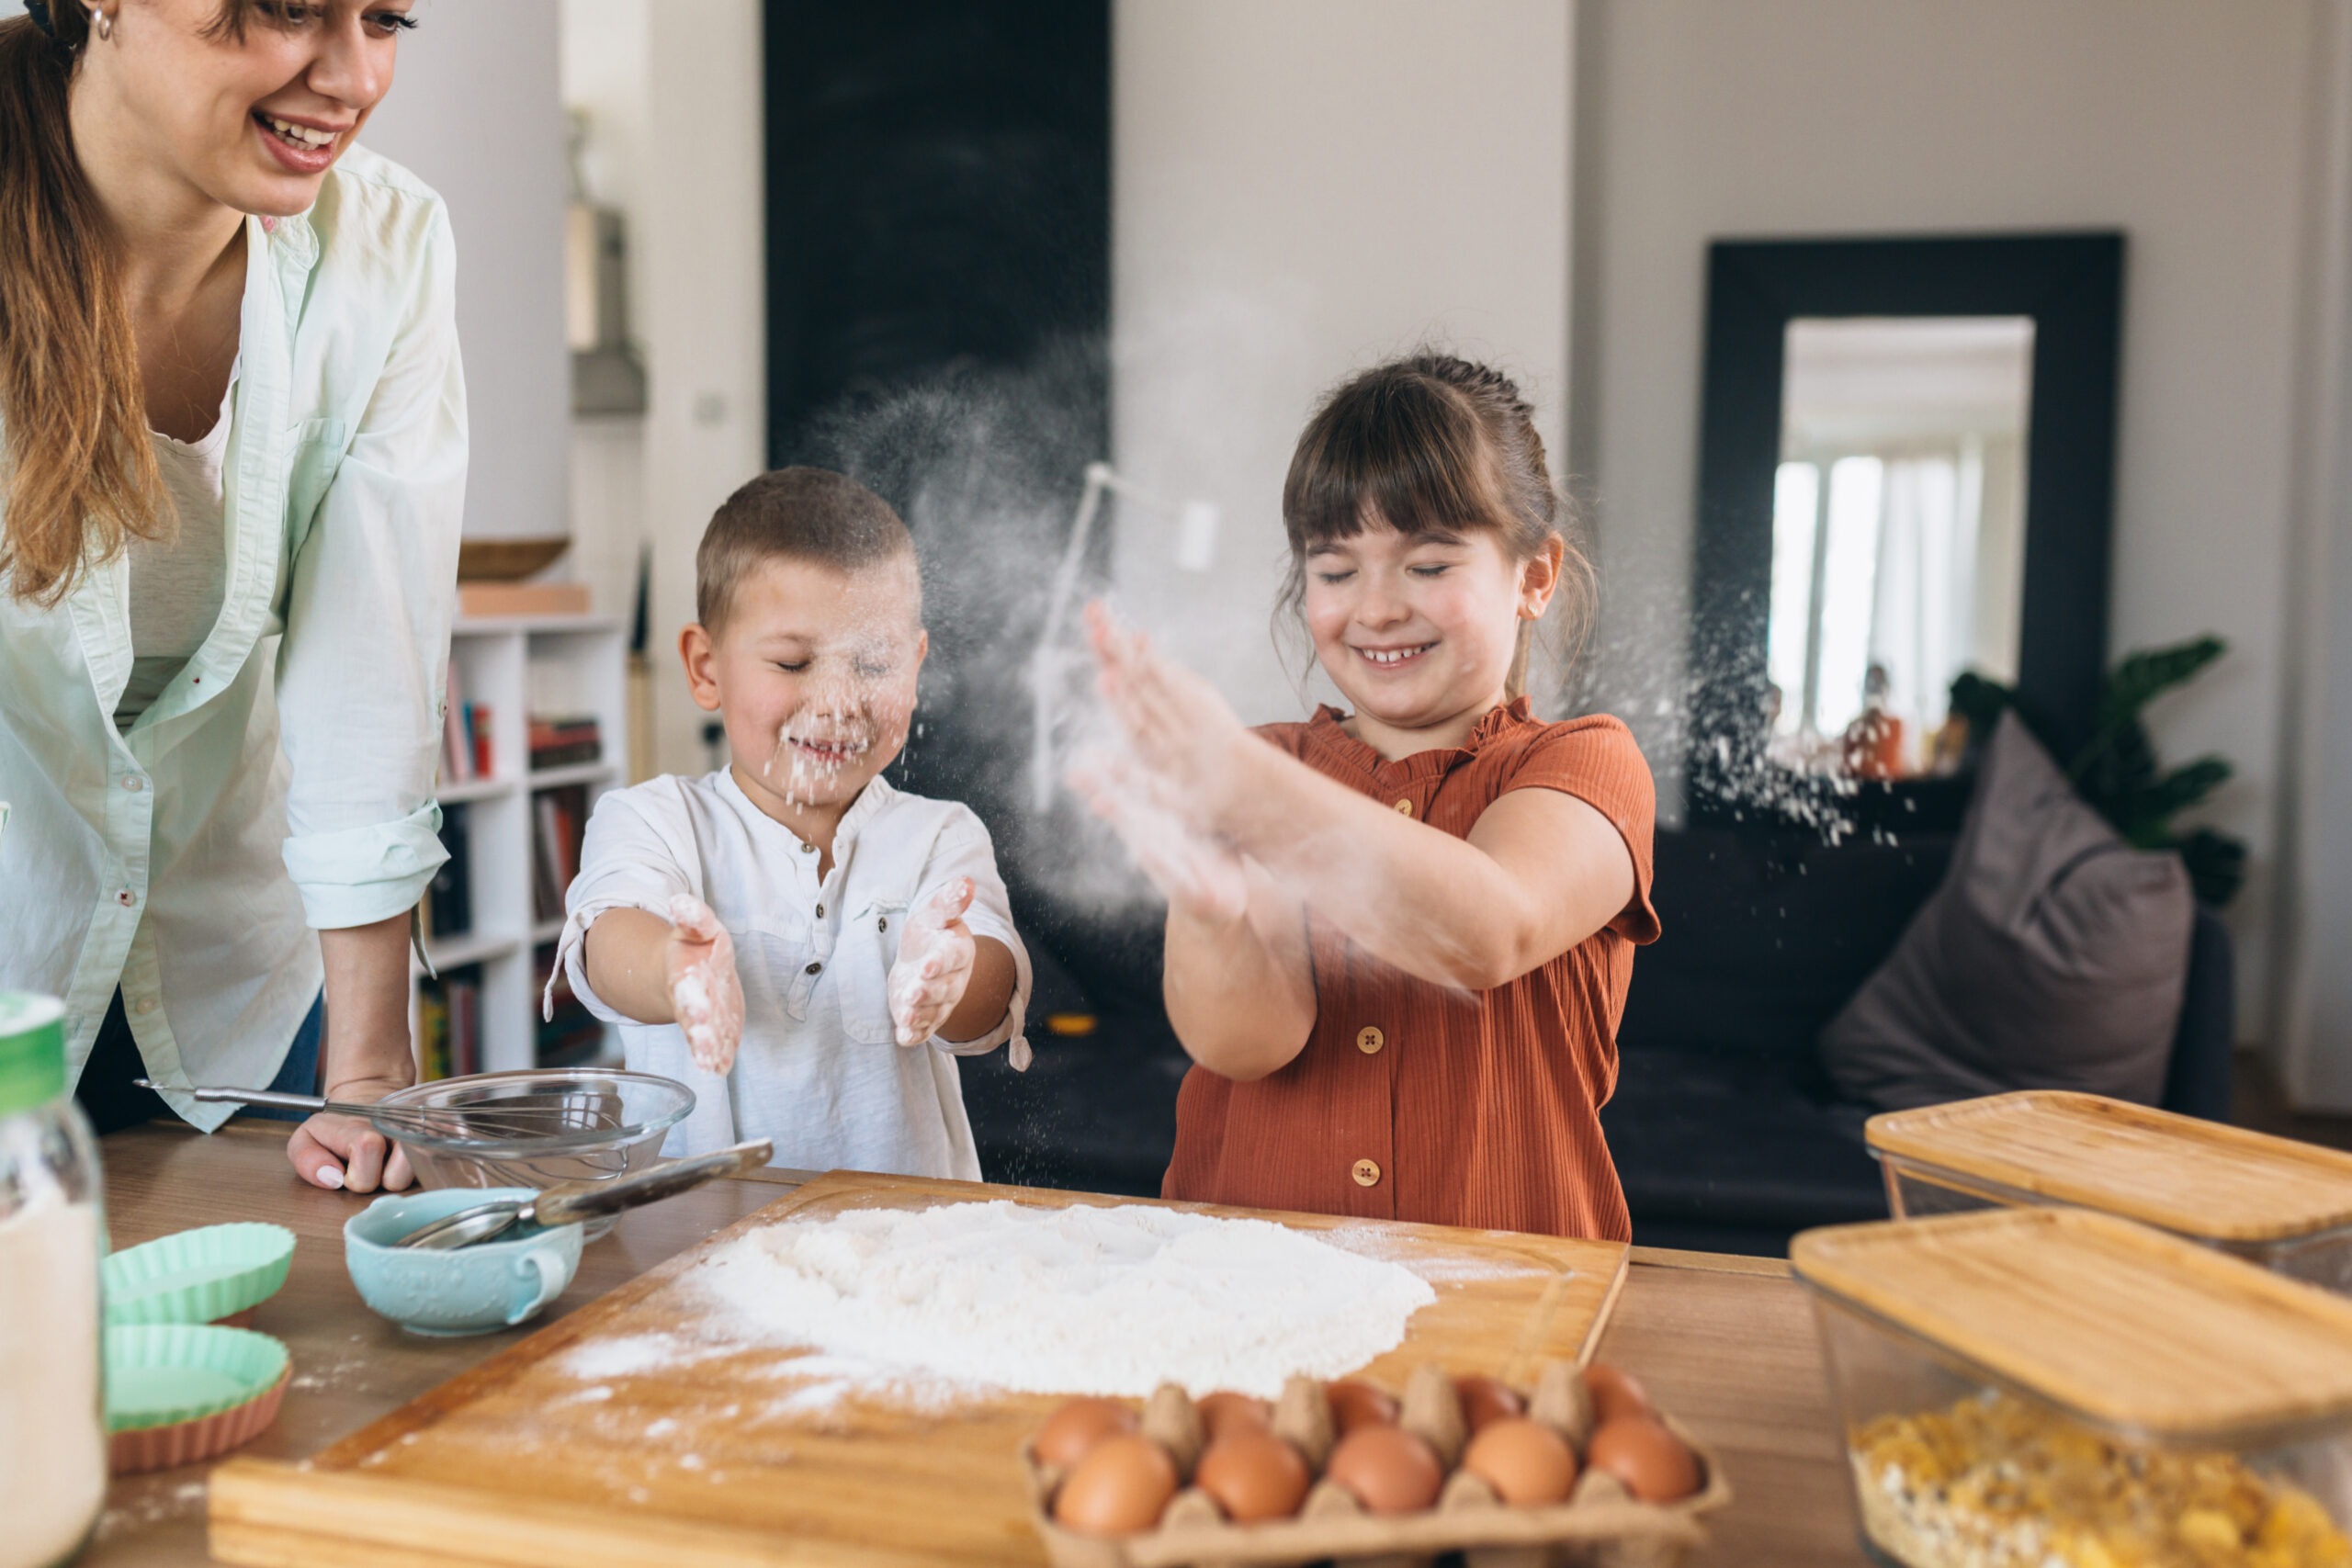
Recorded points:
(705,994)
(934,966)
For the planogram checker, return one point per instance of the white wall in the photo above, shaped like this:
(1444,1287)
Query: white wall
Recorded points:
(2312,1021)
(1299,190)
(476,113)
(673,93)
(2181,123)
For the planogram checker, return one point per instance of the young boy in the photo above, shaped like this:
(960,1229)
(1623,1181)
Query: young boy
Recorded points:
(853,938)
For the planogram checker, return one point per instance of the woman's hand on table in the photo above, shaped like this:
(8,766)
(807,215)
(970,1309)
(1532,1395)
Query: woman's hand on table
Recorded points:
(348,1151)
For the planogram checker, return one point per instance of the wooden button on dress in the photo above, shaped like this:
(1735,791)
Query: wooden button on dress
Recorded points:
(1366,1173)
(1369,1039)
(1405,807)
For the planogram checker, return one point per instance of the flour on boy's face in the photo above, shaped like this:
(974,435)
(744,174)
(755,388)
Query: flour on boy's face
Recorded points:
(816,669)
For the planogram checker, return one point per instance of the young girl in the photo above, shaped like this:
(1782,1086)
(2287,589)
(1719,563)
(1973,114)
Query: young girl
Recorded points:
(1398,939)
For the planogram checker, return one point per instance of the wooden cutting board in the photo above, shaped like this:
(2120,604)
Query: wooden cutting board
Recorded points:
(575,1449)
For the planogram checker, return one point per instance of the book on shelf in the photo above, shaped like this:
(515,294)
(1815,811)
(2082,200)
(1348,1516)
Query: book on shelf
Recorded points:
(558,819)
(565,740)
(449,900)
(569,1035)
(465,735)
(448,1023)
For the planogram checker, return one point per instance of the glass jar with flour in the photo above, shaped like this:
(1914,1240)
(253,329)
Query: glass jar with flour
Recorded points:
(52,1420)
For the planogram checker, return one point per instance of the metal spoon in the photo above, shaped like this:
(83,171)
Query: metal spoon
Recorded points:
(576,1201)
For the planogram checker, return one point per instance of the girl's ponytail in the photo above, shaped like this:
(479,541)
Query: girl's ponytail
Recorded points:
(80,477)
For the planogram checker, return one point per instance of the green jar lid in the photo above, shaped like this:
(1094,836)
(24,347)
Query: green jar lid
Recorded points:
(32,1050)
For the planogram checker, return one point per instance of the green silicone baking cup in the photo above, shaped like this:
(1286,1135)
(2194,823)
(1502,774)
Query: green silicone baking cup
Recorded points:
(162,1374)
(198,1276)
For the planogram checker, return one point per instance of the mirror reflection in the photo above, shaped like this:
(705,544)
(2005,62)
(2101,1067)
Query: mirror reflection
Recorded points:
(1898,535)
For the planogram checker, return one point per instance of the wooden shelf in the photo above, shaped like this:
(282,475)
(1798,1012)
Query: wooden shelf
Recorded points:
(573,774)
(517,666)
(474,789)
(456,951)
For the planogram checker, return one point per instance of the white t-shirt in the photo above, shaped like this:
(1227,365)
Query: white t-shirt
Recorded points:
(178,585)
(820,1071)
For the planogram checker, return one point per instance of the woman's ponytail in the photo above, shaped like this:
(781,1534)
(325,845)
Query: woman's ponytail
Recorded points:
(80,477)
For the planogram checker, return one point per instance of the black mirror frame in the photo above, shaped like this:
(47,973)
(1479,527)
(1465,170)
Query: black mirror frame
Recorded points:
(2072,285)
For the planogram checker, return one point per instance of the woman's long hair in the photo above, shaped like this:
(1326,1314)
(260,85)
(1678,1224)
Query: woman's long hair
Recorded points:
(80,477)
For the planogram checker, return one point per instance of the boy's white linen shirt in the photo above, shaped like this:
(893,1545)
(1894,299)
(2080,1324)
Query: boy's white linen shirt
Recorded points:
(819,1070)
(188,859)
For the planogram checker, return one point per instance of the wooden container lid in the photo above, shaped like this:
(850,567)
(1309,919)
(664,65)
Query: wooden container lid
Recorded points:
(2196,1178)
(2116,1323)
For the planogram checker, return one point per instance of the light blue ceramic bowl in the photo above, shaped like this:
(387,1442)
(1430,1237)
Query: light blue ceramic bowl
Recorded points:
(474,1290)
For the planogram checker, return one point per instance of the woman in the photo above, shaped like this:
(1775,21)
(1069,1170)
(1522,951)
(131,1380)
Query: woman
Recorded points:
(236,450)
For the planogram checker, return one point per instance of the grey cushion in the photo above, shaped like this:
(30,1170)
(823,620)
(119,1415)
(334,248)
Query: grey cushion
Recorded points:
(2052,956)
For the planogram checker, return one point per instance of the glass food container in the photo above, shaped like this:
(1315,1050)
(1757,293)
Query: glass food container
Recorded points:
(2018,1388)
(52,1416)
(2285,1205)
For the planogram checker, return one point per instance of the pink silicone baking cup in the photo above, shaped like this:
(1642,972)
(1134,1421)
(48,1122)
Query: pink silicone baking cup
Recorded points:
(184,1442)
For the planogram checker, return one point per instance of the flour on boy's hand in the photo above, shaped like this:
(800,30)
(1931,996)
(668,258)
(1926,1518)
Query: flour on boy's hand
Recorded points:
(934,964)
(704,990)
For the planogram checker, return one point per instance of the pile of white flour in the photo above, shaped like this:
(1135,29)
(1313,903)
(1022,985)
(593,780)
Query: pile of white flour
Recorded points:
(1066,1301)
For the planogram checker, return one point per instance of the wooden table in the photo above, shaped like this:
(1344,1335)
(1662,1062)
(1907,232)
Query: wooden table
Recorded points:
(1725,1343)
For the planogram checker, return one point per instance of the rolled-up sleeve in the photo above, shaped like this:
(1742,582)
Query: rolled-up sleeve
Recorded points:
(635,854)
(362,663)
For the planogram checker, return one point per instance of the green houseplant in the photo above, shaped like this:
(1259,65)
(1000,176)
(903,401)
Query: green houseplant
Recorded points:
(2117,770)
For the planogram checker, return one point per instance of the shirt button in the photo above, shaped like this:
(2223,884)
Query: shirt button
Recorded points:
(1366,1173)
(1404,809)
(821,911)
(882,924)
(815,969)
(1369,1039)
(126,898)
(131,783)
(146,1004)
(808,849)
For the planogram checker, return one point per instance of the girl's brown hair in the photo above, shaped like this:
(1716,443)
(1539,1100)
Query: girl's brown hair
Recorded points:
(81,479)
(1432,443)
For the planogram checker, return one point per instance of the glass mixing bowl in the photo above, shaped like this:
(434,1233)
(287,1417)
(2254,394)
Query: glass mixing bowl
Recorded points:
(540,1127)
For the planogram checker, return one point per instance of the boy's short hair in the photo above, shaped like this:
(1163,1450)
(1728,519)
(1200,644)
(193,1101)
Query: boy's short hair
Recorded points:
(809,515)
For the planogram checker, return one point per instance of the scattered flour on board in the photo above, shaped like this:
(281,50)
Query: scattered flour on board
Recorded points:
(1080,1300)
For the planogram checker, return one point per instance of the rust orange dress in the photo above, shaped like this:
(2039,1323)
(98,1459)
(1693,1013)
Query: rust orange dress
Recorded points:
(1415,1102)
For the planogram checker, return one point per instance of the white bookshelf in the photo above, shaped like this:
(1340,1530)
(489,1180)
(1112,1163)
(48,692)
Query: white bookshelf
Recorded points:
(518,666)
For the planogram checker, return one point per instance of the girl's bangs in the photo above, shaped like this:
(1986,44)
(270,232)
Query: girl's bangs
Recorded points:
(1405,452)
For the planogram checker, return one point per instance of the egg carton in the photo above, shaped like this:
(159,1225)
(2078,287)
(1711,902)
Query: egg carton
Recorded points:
(1599,1525)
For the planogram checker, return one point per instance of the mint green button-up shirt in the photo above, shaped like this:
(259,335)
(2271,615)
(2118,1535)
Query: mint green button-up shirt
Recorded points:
(283,781)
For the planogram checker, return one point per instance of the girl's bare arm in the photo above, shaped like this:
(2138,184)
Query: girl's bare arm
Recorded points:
(1241,992)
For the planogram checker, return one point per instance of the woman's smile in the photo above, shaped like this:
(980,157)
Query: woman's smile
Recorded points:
(303,147)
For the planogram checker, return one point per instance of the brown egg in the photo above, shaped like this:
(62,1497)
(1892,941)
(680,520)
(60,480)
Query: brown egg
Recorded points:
(1355,1402)
(1118,1488)
(1485,1399)
(1648,1459)
(1389,1470)
(1072,1432)
(1614,1394)
(1527,1463)
(1227,1411)
(1253,1475)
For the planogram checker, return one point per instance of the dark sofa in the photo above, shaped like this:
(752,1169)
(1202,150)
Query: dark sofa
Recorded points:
(1728,1134)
